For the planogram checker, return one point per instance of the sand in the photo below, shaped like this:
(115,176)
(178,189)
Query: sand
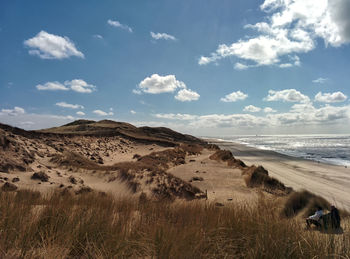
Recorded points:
(329,181)
(223,184)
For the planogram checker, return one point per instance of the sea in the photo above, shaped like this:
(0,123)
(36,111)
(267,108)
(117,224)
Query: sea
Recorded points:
(330,149)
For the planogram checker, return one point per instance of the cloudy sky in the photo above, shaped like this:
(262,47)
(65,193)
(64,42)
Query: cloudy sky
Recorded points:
(198,66)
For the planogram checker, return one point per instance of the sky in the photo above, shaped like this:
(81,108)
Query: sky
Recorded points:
(203,67)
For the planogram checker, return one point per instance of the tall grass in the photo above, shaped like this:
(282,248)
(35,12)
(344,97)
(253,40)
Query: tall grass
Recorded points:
(94,225)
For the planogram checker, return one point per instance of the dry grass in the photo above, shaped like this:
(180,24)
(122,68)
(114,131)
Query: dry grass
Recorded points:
(226,156)
(259,177)
(93,225)
(298,201)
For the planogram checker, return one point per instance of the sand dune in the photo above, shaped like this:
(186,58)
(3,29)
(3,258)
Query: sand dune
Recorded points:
(121,159)
(124,160)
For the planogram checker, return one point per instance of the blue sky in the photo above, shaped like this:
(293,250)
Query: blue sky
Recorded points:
(201,67)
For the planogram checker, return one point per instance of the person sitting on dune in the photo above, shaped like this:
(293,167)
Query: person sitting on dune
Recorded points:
(315,219)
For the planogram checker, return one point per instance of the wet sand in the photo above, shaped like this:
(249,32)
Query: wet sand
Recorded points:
(329,181)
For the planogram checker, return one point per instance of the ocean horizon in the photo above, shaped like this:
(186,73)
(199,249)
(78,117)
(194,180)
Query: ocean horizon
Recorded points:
(325,148)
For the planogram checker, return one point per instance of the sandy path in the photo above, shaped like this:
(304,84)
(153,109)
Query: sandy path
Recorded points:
(329,181)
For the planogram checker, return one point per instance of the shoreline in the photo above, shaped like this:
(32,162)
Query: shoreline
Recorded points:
(329,181)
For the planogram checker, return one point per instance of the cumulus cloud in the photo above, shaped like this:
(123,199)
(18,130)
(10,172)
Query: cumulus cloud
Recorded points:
(330,97)
(187,95)
(80,86)
(13,112)
(269,110)
(103,113)
(234,96)
(50,46)
(68,105)
(119,25)
(251,108)
(162,36)
(77,85)
(156,84)
(80,113)
(320,80)
(52,86)
(132,112)
(287,95)
(291,27)
(206,60)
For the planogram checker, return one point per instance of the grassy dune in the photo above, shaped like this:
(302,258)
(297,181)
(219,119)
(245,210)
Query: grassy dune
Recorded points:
(96,225)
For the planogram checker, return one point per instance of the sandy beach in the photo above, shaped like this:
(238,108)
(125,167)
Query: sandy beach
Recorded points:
(329,181)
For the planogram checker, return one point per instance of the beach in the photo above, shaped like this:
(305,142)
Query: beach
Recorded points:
(329,181)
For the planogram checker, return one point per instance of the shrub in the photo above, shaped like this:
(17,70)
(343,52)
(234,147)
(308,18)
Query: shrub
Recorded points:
(259,177)
(297,201)
(42,176)
(9,187)
(221,155)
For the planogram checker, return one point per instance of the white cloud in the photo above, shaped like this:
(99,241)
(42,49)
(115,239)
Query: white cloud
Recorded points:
(132,112)
(98,36)
(320,80)
(52,86)
(119,25)
(102,113)
(234,96)
(240,66)
(157,84)
(206,60)
(80,86)
(291,27)
(77,85)
(330,97)
(50,46)
(307,114)
(287,95)
(13,112)
(27,123)
(136,91)
(162,36)
(285,65)
(251,108)
(187,95)
(269,110)
(302,114)
(80,113)
(178,116)
(68,105)
(294,61)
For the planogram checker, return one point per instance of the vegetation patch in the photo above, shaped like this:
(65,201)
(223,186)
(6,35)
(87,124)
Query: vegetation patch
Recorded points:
(298,201)
(259,177)
(42,176)
(226,156)
(97,225)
